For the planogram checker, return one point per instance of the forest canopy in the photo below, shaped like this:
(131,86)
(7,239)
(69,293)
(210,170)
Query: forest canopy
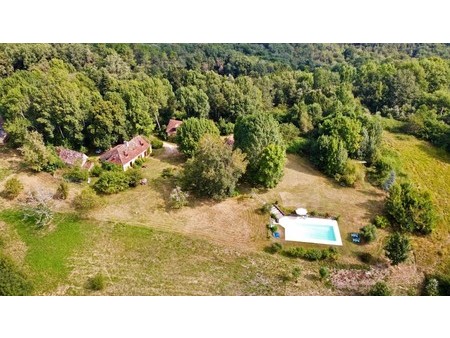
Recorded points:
(92,96)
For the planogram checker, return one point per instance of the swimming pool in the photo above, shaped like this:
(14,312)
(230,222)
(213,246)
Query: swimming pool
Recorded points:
(311,230)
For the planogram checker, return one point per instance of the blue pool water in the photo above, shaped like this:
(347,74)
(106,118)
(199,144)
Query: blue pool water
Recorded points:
(318,232)
(311,230)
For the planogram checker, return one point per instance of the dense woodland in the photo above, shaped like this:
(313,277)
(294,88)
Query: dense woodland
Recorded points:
(324,99)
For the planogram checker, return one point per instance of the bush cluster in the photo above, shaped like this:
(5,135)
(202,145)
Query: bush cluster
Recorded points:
(76,174)
(311,254)
(13,187)
(112,182)
(157,144)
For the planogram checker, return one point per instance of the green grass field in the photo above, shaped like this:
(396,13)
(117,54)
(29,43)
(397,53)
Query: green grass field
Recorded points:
(428,168)
(216,248)
(137,260)
(48,252)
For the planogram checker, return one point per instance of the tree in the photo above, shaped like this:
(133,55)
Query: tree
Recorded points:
(12,189)
(271,166)
(36,155)
(379,289)
(215,169)
(347,129)
(85,200)
(330,155)
(107,126)
(397,248)
(190,133)
(252,135)
(410,209)
(192,101)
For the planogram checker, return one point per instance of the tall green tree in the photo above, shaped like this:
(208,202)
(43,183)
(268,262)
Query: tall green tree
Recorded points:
(330,155)
(253,134)
(192,101)
(271,166)
(190,133)
(410,209)
(397,248)
(108,125)
(36,155)
(215,168)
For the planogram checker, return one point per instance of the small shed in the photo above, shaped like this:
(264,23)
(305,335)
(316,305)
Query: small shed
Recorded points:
(172,127)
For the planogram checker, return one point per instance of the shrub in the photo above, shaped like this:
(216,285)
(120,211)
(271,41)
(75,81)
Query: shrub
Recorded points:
(12,281)
(62,192)
(274,248)
(134,177)
(96,170)
(324,272)
(108,166)
(353,173)
(432,287)
(299,145)
(274,228)
(168,172)
(13,188)
(332,253)
(76,174)
(139,162)
(381,222)
(157,144)
(265,209)
(379,289)
(86,200)
(368,233)
(296,272)
(112,182)
(295,252)
(97,282)
(313,255)
(366,257)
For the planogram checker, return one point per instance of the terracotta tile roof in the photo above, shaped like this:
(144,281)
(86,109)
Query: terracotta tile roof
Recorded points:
(70,157)
(172,126)
(124,153)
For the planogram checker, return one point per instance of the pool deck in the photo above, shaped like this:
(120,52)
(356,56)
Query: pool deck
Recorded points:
(294,229)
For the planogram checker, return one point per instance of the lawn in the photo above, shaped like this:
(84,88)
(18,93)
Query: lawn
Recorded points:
(143,247)
(136,260)
(47,252)
(428,167)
